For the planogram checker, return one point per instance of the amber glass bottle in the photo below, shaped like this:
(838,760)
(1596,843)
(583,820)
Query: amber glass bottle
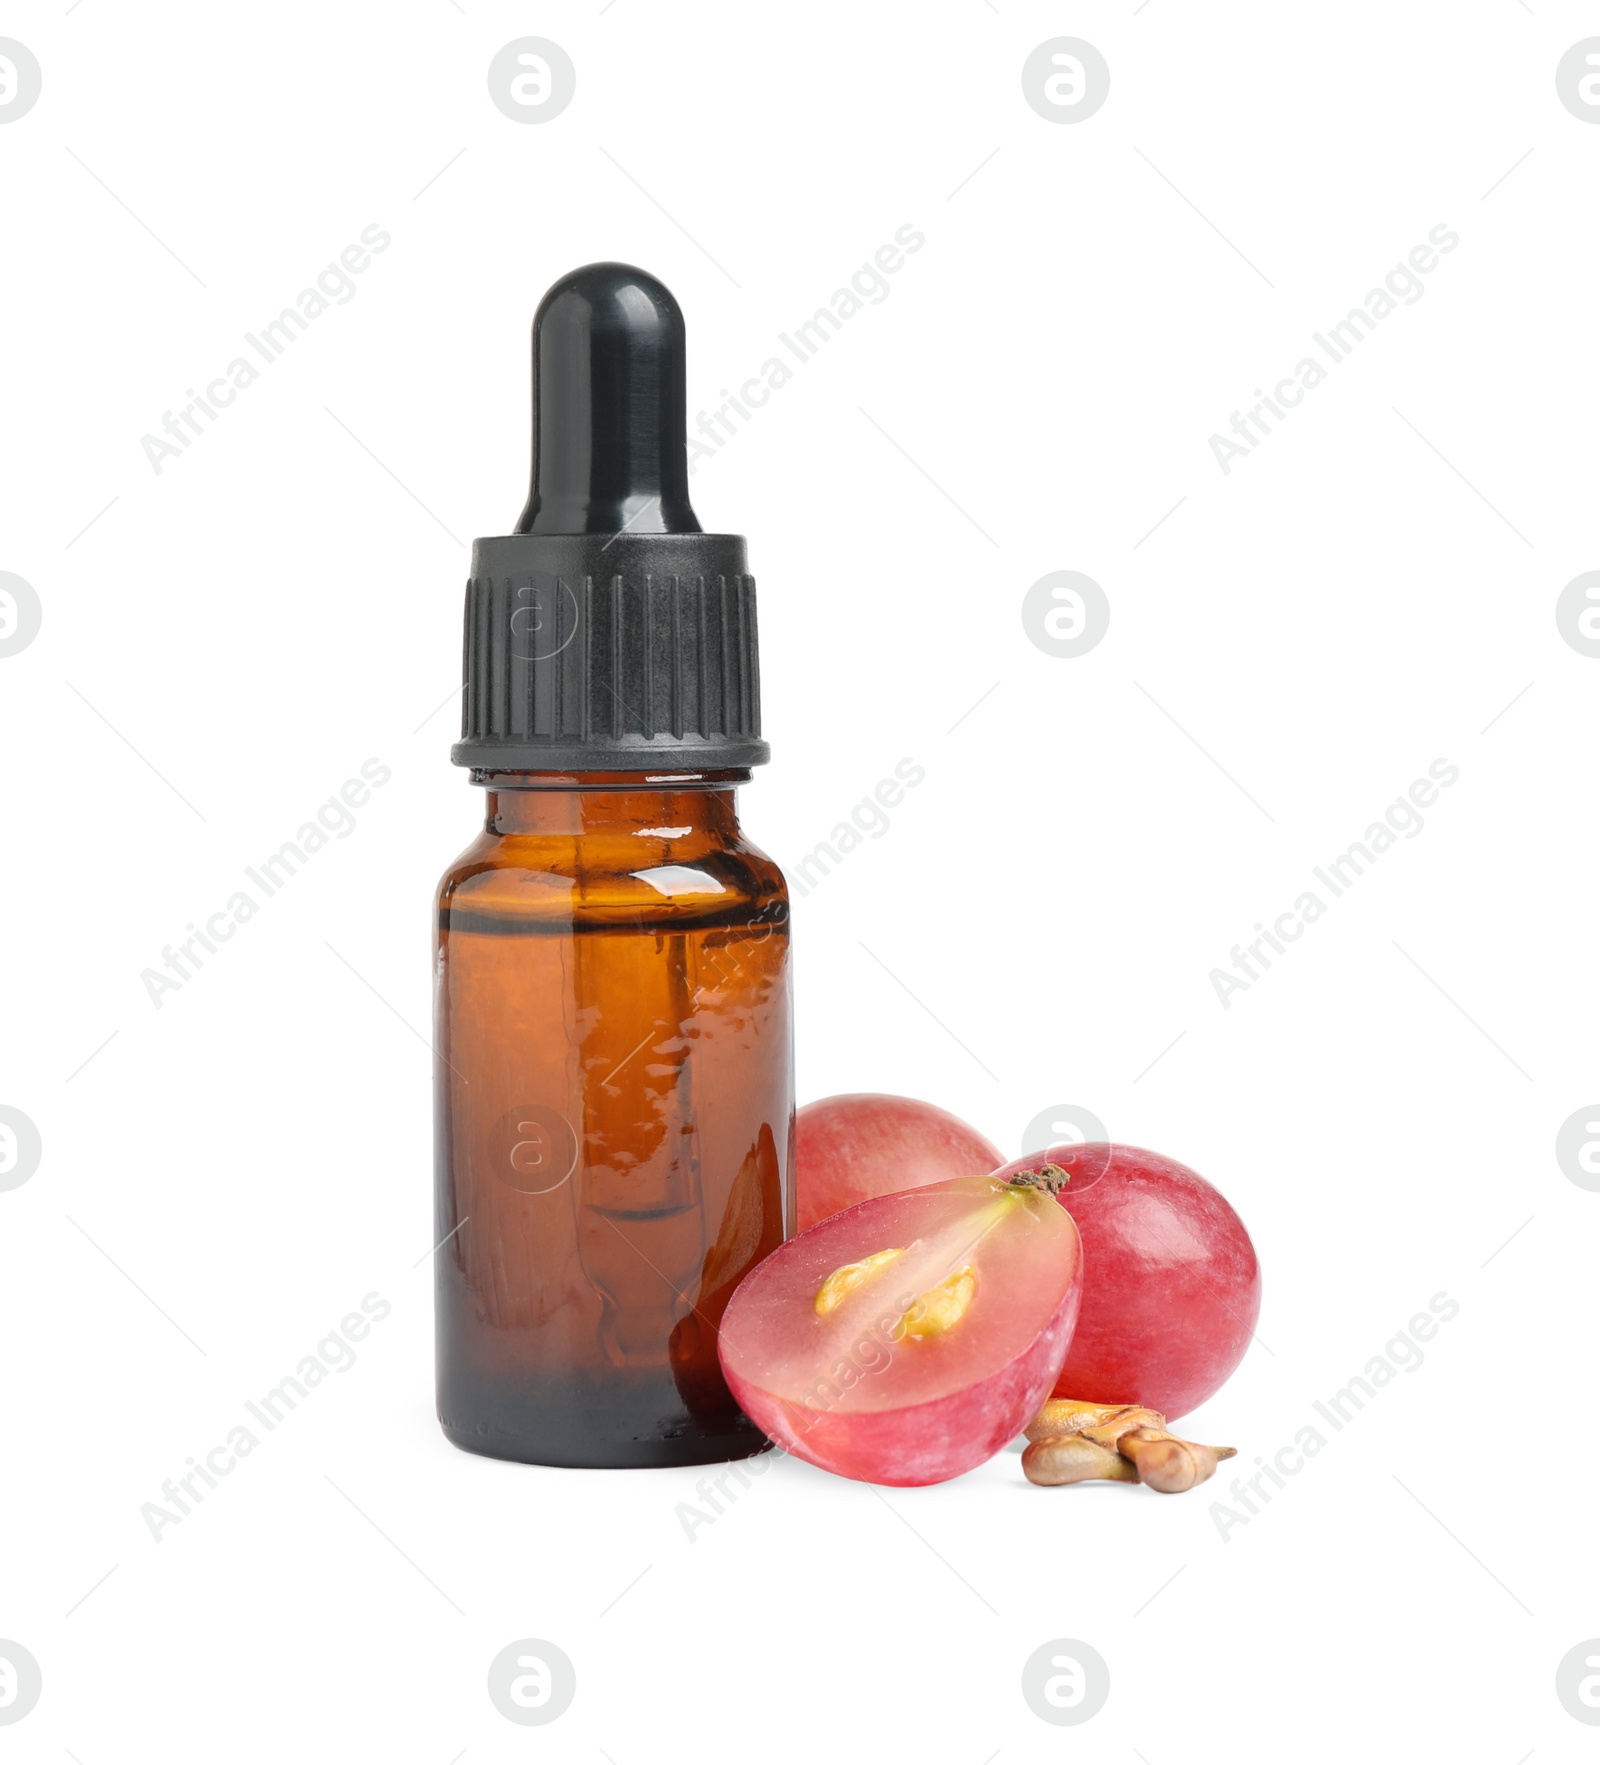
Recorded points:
(614,1115)
(614,1071)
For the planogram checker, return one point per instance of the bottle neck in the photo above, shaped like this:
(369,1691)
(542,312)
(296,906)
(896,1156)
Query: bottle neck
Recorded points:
(693,806)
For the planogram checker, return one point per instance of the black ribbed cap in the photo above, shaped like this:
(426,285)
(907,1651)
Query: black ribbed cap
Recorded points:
(608,633)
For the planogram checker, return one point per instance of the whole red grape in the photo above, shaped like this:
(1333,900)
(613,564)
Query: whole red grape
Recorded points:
(853,1147)
(1171,1287)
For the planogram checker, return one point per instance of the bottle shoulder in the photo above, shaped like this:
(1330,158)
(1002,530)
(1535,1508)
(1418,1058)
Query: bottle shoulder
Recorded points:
(612,878)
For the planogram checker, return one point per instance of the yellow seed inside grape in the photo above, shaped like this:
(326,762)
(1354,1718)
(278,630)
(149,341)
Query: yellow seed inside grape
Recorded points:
(941,1308)
(844,1281)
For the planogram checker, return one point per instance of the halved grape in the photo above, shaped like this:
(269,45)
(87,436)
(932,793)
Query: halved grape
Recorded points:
(907,1339)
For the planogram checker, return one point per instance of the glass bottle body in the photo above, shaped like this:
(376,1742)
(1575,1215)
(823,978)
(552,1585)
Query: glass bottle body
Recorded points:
(614,1116)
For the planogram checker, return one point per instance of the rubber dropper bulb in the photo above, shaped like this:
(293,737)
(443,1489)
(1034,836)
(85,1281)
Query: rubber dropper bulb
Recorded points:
(609,407)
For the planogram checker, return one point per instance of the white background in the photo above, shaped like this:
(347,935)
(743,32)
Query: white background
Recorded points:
(1289,648)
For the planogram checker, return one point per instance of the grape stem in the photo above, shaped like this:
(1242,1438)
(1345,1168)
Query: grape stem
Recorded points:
(1049,1177)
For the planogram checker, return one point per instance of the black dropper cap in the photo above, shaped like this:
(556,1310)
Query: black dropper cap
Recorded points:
(608,633)
(609,410)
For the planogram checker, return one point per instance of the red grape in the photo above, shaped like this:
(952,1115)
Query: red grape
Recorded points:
(907,1339)
(848,1149)
(1172,1287)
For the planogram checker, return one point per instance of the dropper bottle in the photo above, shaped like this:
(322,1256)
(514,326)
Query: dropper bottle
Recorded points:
(614,1082)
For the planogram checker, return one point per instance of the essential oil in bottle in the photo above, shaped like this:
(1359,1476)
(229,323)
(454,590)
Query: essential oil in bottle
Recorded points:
(614,1075)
